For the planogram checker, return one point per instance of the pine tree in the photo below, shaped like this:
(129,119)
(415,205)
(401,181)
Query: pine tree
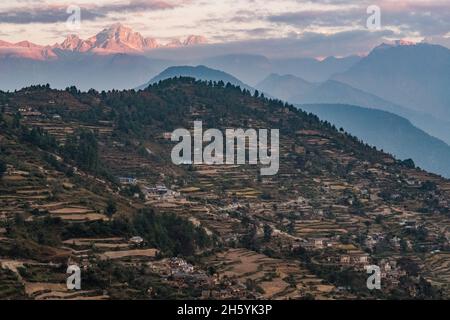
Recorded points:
(2,168)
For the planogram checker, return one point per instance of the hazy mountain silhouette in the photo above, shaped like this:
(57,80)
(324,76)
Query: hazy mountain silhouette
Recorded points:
(198,72)
(284,86)
(249,68)
(314,70)
(253,69)
(416,76)
(118,71)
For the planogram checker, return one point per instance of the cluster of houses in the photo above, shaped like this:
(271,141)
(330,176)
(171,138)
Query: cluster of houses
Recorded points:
(172,266)
(136,241)
(181,274)
(391,271)
(30,112)
(354,258)
(157,192)
(319,243)
(230,289)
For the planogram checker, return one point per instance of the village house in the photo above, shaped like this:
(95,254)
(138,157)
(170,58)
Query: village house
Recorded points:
(318,243)
(161,189)
(178,264)
(231,237)
(118,144)
(127,181)
(354,258)
(345,259)
(370,242)
(391,271)
(395,242)
(159,192)
(29,112)
(136,240)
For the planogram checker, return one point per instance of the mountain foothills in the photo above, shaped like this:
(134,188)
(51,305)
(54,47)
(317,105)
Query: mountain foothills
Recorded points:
(86,178)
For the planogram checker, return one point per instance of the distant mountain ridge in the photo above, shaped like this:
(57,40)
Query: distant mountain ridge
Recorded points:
(314,70)
(297,90)
(413,75)
(117,46)
(252,69)
(388,132)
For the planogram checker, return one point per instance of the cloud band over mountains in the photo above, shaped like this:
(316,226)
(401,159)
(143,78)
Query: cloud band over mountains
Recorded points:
(236,21)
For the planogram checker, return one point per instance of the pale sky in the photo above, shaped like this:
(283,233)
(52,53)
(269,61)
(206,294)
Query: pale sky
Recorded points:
(339,25)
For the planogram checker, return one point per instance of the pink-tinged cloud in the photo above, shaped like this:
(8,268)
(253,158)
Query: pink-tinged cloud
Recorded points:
(53,13)
(409,5)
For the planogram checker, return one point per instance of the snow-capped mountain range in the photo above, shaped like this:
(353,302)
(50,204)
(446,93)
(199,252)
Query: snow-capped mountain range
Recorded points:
(115,39)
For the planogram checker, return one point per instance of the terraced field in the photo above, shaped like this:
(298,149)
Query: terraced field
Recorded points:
(439,267)
(273,276)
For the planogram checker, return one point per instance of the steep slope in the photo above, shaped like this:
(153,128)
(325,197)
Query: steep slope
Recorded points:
(198,72)
(388,132)
(416,76)
(332,198)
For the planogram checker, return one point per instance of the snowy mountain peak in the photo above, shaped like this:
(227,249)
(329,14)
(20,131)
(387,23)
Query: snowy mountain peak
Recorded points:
(117,38)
